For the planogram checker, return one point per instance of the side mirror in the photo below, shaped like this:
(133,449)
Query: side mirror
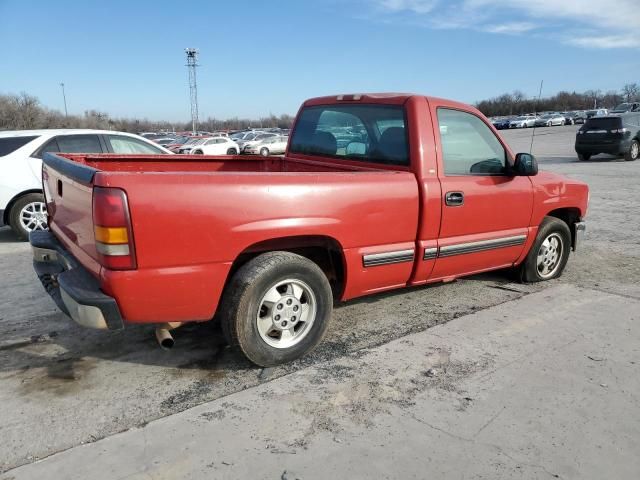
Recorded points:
(525,165)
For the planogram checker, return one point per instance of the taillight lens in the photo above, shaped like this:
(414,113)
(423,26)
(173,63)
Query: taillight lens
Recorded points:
(112,229)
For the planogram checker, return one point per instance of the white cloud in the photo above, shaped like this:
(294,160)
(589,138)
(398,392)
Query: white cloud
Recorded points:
(584,23)
(415,6)
(510,27)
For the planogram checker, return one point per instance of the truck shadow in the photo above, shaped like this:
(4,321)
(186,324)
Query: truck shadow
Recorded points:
(70,358)
(7,235)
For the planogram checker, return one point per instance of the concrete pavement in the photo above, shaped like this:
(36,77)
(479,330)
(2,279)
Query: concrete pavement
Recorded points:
(545,386)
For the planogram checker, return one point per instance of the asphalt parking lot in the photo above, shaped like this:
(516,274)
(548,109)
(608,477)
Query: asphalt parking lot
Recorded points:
(62,386)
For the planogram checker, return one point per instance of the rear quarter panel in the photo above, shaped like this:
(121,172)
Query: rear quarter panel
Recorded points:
(189,228)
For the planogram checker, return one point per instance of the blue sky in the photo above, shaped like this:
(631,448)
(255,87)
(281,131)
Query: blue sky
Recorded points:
(259,57)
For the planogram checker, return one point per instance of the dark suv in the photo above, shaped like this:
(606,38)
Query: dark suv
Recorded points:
(613,134)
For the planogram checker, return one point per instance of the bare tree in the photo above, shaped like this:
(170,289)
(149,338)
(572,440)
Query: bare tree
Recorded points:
(631,92)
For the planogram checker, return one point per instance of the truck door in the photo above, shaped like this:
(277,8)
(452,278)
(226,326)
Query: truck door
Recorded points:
(485,211)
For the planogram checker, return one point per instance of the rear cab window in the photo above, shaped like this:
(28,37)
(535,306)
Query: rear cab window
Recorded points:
(368,133)
(11,144)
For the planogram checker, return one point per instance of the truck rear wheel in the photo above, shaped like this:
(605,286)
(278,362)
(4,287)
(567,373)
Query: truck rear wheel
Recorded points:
(549,254)
(276,308)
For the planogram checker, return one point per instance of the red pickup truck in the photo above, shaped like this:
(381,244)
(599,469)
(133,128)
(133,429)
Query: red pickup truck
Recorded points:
(375,192)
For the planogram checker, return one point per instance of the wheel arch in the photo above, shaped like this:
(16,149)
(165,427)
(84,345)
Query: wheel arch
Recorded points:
(324,251)
(9,207)
(569,215)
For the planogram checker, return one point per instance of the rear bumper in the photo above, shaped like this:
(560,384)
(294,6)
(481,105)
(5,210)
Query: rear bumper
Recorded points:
(615,148)
(75,291)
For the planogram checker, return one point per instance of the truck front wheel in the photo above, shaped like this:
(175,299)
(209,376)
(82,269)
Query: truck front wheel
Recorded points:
(549,254)
(276,308)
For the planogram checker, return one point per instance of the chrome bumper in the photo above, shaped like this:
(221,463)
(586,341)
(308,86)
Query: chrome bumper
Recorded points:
(578,234)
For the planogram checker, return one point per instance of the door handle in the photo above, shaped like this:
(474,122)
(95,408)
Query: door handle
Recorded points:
(454,199)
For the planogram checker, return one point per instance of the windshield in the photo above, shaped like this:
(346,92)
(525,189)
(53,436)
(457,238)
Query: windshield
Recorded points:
(373,133)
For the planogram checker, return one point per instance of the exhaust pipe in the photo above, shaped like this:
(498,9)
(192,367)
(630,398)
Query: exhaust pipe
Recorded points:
(163,334)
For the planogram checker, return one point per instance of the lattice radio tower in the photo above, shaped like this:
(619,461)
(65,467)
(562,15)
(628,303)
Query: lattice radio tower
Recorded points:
(192,63)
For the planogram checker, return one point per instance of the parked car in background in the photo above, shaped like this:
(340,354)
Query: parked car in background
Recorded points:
(268,146)
(164,141)
(550,120)
(191,143)
(255,139)
(613,134)
(522,122)
(177,143)
(435,197)
(598,112)
(626,107)
(578,116)
(21,200)
(216,146)
(246,137)
(568,118)
(501,123)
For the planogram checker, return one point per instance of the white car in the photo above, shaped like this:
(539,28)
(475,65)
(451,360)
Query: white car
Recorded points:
(216,146)
(268,146)
(21,200)
(251,141)
(523,122)
(188,147)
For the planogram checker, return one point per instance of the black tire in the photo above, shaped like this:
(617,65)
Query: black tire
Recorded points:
(264,151)
(198,152)
(14,214)
(633,152)
(584,156)
(241,302)
(232,151)
(528,270)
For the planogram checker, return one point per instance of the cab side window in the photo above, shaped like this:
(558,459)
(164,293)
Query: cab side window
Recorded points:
(469,147)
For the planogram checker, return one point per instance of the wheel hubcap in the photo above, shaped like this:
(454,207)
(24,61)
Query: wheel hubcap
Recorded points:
(549,255)
(286,313)
(33,216)
(635,150)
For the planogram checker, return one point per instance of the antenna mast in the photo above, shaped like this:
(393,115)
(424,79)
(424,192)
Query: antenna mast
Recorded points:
(192,64)
(535,114)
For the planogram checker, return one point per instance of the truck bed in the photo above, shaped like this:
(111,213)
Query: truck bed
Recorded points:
(192,216)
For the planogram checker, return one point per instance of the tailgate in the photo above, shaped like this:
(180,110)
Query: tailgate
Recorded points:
(69,195)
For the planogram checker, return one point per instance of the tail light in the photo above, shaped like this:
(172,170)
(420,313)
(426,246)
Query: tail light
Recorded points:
(112,229)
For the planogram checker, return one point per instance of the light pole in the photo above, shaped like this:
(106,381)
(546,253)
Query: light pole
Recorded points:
(64,97)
